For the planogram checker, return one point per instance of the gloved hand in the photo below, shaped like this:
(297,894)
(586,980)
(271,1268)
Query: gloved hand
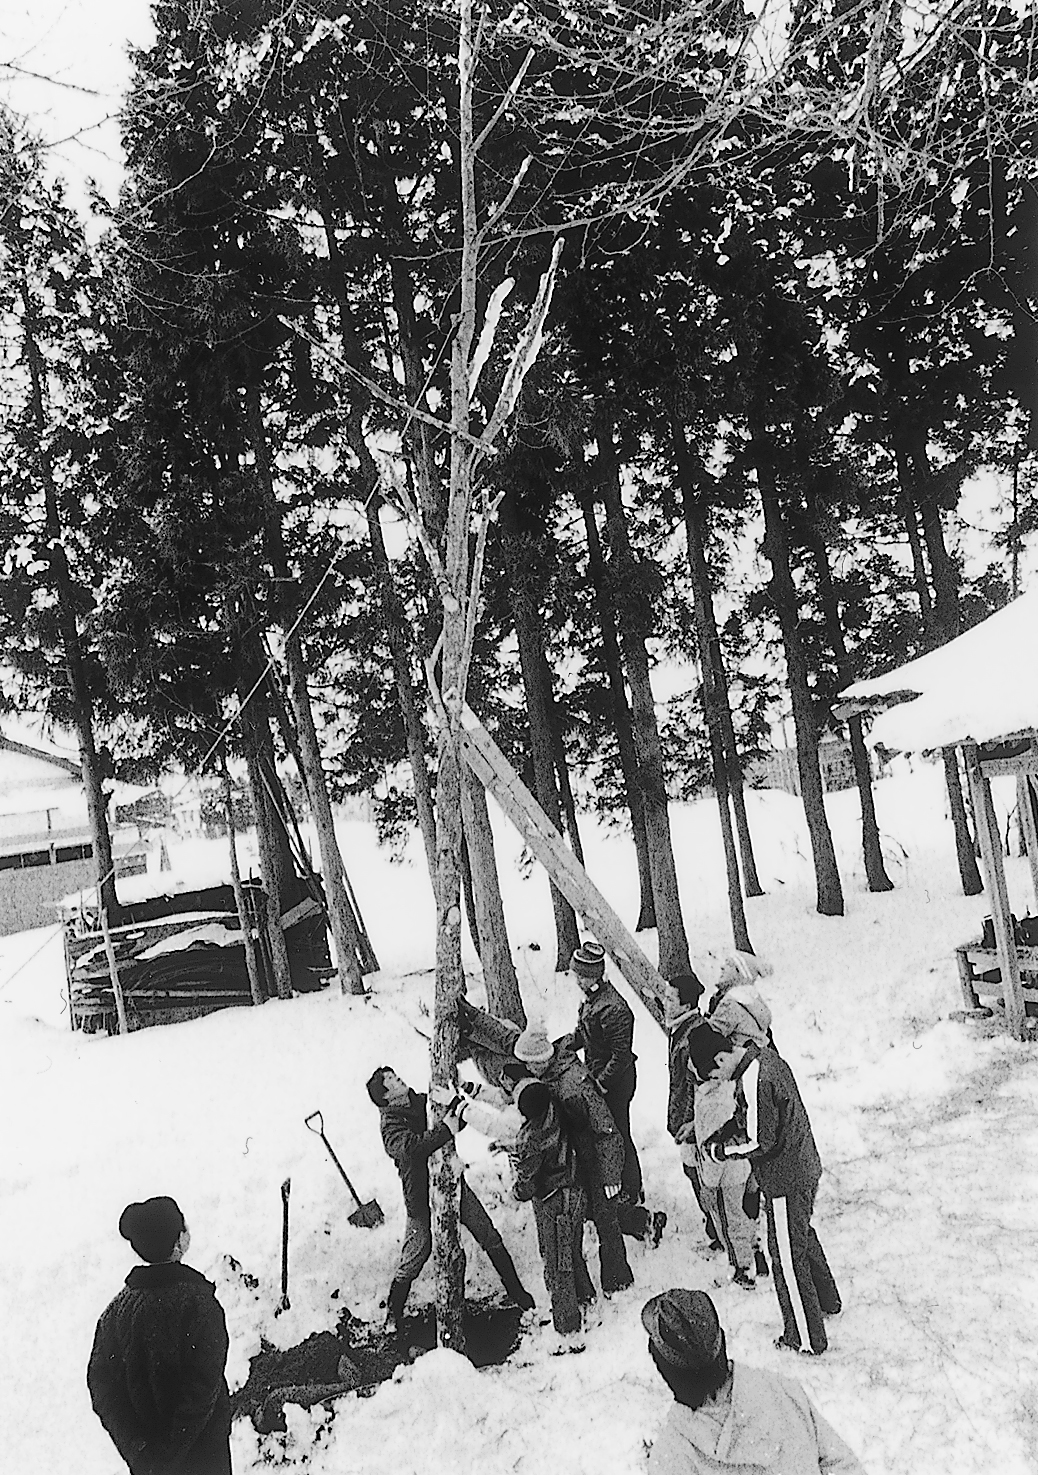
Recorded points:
(442,1095)
(751,1200)
(612,1190)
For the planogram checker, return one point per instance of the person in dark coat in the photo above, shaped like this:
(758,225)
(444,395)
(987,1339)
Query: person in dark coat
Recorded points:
(682,1018)
(599,1145)
(410,1143)
(771,1128)
(156,1370)
(546,1174)
(605,1033)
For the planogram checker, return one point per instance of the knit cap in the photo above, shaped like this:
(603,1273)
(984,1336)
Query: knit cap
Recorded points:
(533,1046)
(589,961)
(742,1013)
(152,1227)
(684,1329)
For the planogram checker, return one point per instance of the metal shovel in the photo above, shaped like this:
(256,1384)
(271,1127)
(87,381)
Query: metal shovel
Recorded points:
(365,1216)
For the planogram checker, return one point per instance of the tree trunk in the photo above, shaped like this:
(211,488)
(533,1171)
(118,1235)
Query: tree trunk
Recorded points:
(533,665)
(348,950)
(252,962)
(940,613)
(393,614)
(634,623)
(622,724)
(503,998)
(273,842)
(558,743)
(786,605)
(872,849)
(75,665)
(713,687)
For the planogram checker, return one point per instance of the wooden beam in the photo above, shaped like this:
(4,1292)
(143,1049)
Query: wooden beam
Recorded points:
(1010,767)
(499,778)
(995,887)
(1026,798)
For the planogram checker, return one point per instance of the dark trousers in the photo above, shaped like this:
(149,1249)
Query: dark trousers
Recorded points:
(417,1246)
(614,1267)
(619,1094)
(560,1239)
(803,1281)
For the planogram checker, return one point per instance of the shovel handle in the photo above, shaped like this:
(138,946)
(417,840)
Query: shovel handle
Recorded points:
(319,1129)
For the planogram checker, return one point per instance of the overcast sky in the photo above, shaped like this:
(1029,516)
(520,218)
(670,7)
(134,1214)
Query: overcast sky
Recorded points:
(63,67)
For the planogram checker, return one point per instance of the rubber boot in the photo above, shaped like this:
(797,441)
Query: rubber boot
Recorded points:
(395,1303)
(514,1288)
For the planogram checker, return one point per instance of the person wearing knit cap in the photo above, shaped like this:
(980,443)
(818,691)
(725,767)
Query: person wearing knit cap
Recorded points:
(605,1033)
(742,1015)
(156,1369)
(771,1129)
(599,1146)
(726,1415)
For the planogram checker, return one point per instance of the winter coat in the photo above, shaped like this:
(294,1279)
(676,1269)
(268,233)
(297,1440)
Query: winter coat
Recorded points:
(545,1157)
(600,1148)
(771,1427)
(681,1096)
(715,1106)
(772,1127)
(409,1142)
(156,1373)
(605,1032)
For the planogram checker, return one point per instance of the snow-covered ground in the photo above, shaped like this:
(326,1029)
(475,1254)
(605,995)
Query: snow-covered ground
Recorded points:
(928,1130)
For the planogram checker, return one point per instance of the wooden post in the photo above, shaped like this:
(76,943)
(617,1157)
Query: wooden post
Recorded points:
(995,887)
(492,768)
(113,969)
(1026,795)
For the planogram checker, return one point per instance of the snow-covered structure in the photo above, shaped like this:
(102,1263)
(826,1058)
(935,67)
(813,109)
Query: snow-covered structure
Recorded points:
(978,693)
(45,843)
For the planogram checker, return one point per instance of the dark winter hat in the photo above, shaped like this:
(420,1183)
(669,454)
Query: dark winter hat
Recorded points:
(533,1099)
(687,986)
(152,1227)
(684,1329)
(588,962)
(704,1046)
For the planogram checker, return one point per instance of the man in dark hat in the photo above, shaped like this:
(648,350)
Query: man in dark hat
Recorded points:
(156,1370)
(726,1415)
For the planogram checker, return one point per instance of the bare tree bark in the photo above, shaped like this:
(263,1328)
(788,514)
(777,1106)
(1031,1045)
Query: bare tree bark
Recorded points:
(713,688)
(940,612)
(558,743)
(502,985)
(252,963)
(622,723)
(534,667)
(872,849)
(829,891)
(673,943)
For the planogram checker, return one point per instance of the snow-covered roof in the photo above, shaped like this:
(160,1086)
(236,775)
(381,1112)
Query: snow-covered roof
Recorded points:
(981,686)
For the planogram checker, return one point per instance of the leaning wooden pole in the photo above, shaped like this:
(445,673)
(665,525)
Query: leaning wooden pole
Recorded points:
(997,891)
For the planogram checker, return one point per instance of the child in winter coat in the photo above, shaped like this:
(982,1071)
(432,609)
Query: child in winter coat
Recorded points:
(728,1188)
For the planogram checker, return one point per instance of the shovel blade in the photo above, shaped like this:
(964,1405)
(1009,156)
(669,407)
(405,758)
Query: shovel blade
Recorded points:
(368,1216)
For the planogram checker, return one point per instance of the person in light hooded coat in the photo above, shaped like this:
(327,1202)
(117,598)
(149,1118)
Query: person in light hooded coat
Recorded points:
(725,1415)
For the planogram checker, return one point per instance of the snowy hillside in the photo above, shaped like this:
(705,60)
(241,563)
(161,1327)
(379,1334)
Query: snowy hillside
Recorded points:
(928,1131)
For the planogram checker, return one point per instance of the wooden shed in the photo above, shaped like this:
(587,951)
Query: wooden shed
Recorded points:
(978,693)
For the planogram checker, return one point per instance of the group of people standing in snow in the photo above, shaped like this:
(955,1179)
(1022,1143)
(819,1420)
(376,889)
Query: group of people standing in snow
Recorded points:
(561,1110)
